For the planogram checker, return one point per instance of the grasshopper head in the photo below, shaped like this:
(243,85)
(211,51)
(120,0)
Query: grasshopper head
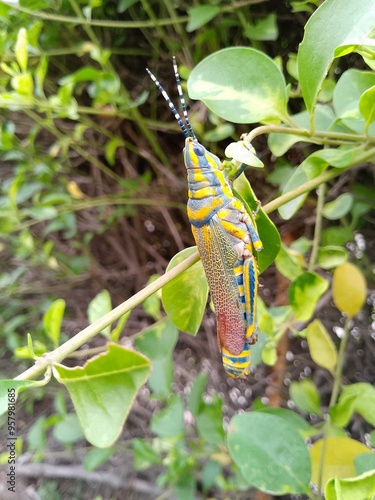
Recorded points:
(197,156)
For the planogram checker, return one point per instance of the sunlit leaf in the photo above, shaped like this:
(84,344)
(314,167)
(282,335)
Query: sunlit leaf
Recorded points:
(338,460)
(339,207)
(305,396)
(367,106)
(52,320)
(264,29)
(304,293)
(349,289)
(20,49)
(100,305)
(355,398)
(334,23)
(359,487)
(200,16)
(185,298)
(331,256)
(248,88)
(103,391)
(321,346)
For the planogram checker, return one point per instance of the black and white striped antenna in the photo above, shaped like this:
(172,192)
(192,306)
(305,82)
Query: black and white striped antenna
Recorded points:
(186,129)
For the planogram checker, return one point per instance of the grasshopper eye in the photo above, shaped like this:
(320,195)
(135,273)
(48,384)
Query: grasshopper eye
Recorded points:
(199,150)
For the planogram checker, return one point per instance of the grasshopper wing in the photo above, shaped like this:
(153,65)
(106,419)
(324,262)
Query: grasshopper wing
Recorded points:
(219,259)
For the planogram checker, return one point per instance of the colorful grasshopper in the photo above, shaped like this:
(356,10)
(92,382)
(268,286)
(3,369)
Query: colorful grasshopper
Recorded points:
(225,236)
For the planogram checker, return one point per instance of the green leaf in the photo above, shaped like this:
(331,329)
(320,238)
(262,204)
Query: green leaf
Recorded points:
(209,422)
(100,305)
(355,398)
(96,457)
(219,133)
(144,454)
(289,263)
(9,390)
(185,298)
(331,256)
(267,230)
(159,340)
(341,206)
(34,4)
(304,293)
(360,487)
(36,436)
(210,473)
(349,289)
(338,460)
(196,393)
(41,213)
(117,330)
(364,463)
(367,106)
(52,320)
(338,236)
(111,148)
(305,396)
(321,346)
(169,421)
(260,443)
(161,377)
(264,29)
(292,418)
(269,354)
(20,49)
(348,91)
(23,84)
(241,85)
(200,16)
(334,23)
(123,5)
(103,391)
(298,178)
(68,430)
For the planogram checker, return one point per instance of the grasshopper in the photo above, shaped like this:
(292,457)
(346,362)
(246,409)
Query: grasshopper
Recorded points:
(226,237)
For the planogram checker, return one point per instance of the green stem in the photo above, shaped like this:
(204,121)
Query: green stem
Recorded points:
(49,16)
(340,364)
(318,227)
(316,137)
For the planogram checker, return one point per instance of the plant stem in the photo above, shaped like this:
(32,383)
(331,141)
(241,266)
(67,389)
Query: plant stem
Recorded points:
(49,16)
(318,227)
(340,364)
(315,137)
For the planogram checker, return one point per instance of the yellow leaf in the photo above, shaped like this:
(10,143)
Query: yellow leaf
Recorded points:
(75,191)
(349,289)
(322,349)
(338,458)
